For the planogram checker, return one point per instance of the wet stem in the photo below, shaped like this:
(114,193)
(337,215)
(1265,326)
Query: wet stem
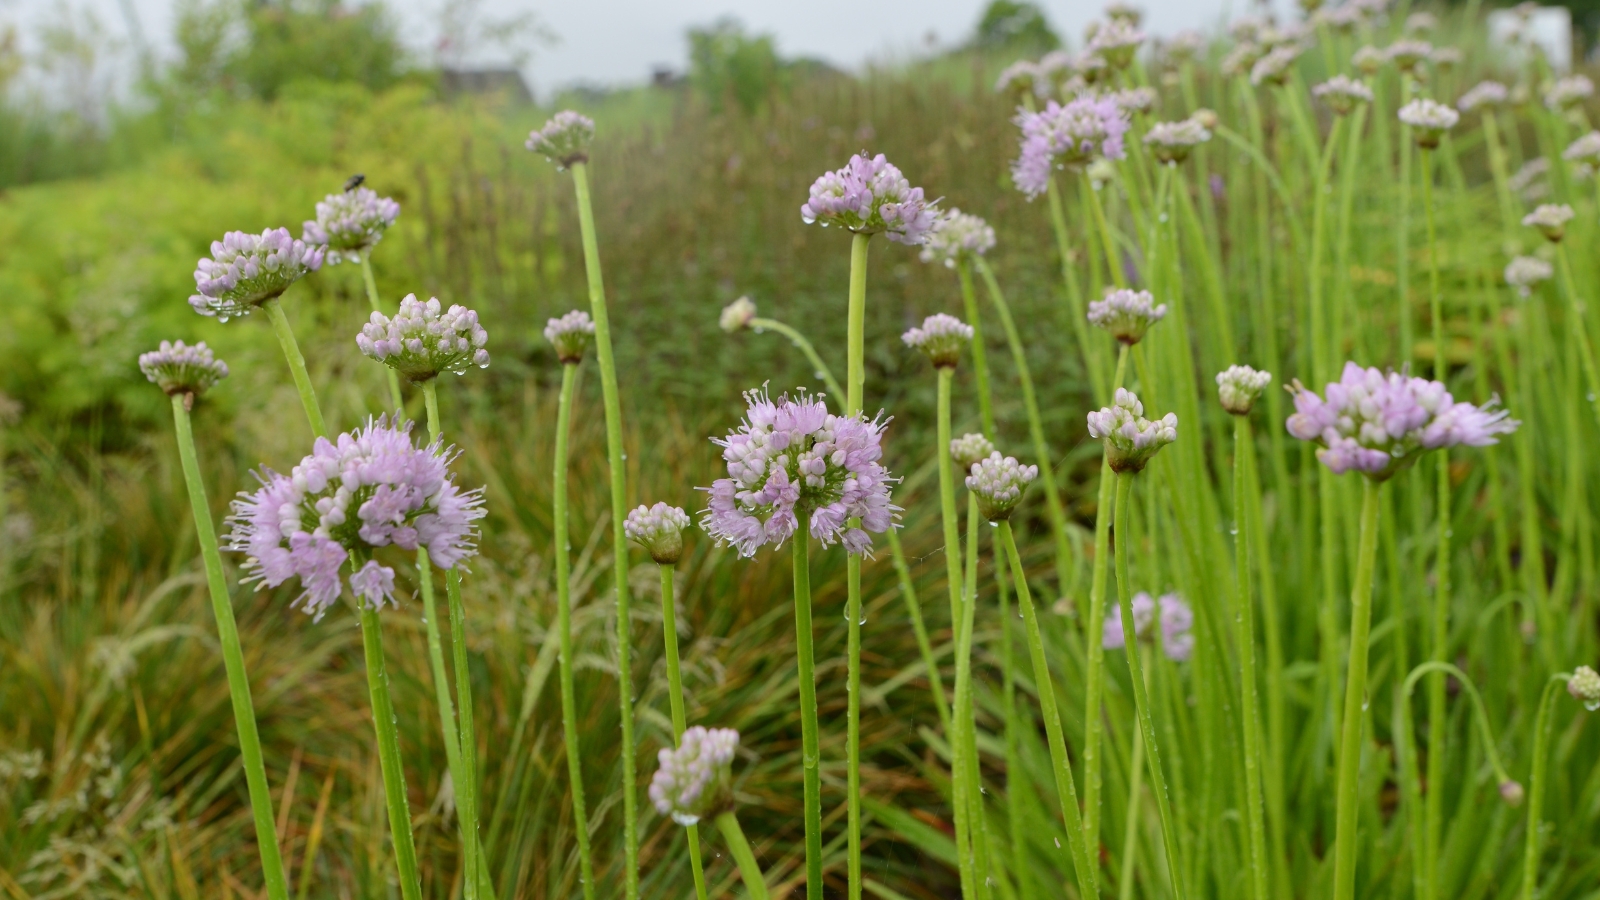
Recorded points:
(960,787)
(810,751)
(855,382)
(297,365)
(396,400)
(1355,690)
(1244,637)
(394,778)
(1536,780)
(749,871)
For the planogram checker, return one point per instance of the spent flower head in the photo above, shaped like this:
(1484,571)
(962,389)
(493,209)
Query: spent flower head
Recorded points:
(1485,95)
(424,340)
(573,334)
(695,780)
(178,368)
(1176,620)
(659,530)
(1430,119)
(370,488)
(1584,686)
(1130,438)
(870,196)
(957,237)
(1171,142)
(968,449)
(1551,219)
(998,482)
(1058,136)
(350,223)
(1378,424)
(246,270)
(941,337)
(1568,92)
(738,315)
(1127,314)
(1239,387)
(1343,93)
(1584,154)
(1525,272)
(793,457)
(564,139)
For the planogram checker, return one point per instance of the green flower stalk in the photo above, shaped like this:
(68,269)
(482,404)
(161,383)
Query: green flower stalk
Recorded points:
(1584,686)
(565,140)
(185,373)
(741,315)
(659,530)
(396,399)
(1551,221)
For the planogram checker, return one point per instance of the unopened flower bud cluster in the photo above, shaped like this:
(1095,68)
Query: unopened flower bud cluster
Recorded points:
(178,368)
(424,340)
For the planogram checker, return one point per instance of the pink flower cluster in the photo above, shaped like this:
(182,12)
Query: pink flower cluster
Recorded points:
(350,223)
(1071,135)
(246,270)
(870,196)
(1177,625)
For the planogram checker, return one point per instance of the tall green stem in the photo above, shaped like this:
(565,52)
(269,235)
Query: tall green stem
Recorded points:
(244,713)
(1541,750)
(297,365)
(855,384)
(1066,790)
(1107,242)
(619,513)
(1355,691)
(563,552)
(394,776)
(1580,330)
(1141,698)
(810,751)
(1130,832)
(1321,365)
(669,637)
(1077,311)
(396,400)
(1244,636)
(749,871)
(965,839)
(968,800)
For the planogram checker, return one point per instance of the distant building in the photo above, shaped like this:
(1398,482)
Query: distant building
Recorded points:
(505,81)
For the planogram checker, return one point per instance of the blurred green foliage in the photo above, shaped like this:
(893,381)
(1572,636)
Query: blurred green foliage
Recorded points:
(729,65)
(1015,23)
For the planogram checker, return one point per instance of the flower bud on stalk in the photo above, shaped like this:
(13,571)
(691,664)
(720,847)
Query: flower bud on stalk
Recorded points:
(572,335)
(246,270)
(659,530)
(1130,438)
(349,224)
(941,337)
(1524,272)
(564,139)
(1429,119)
(424,340)
(1239,386)
(695,780)
(969,449)
(736,316)
(1127,314)
(1584,687)
(998,484)
(1551,219)
(1342,93)
(180,369)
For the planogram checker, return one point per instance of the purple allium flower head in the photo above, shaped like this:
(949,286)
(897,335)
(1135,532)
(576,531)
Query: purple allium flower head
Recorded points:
(1551,219)
(1485,95)
(571,335)
(738,315)
(1135,99)
(1239,387)
(957,236)
(350,223)
(970,449)
(793,456)
(941,337)
(246,270)
(1130,438)
(1171,142)
(1568,92)
(1584,686)
(1430,119)
(1343,93)
(1219,187)
(869,196)
(371,488)
(1023,77)
(565,139)
(424,339)
(658,529)
(1274,67)
(1117,41)
(1112,635)
(998,482)
(1584,154)
(1175,618)
(1407,53)
(695,780)
(1524,272)
(180,369)
(1368,59)
(1379,424)
(1127,314)
(1072,135)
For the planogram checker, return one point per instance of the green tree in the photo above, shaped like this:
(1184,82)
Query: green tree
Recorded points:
(1015,22)
(727,63)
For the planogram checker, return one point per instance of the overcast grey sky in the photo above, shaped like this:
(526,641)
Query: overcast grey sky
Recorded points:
(618,41)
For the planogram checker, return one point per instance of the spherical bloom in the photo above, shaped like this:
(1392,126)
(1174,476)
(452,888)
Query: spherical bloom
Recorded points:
(1369,59)
(1524,272)
(1420,22)
(736,316)
(1022,77)
(1342,93)
(793,457)
(371,488)
(1171,142)
(1176,620)
(180,369)
(1135,99)
(1379,424)
(1344,18)
(1486,95)
(1445,58)
(695,780)
(246,270)
(1584,154)
(1430,119)
(1512,793)
(1239,387)
(1072,135)
(350,223)
(658,529)
(565,139)
(1242,58)
(1584,686)
(1127,314)
(1274,67)
(968,449)
(573,333)
(868,196)
(424,339)
(1117,41)
(941,337)
(1551,219)
(1566,93)
(1130,438)
(957,236)
(1407,54)
(998,484)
